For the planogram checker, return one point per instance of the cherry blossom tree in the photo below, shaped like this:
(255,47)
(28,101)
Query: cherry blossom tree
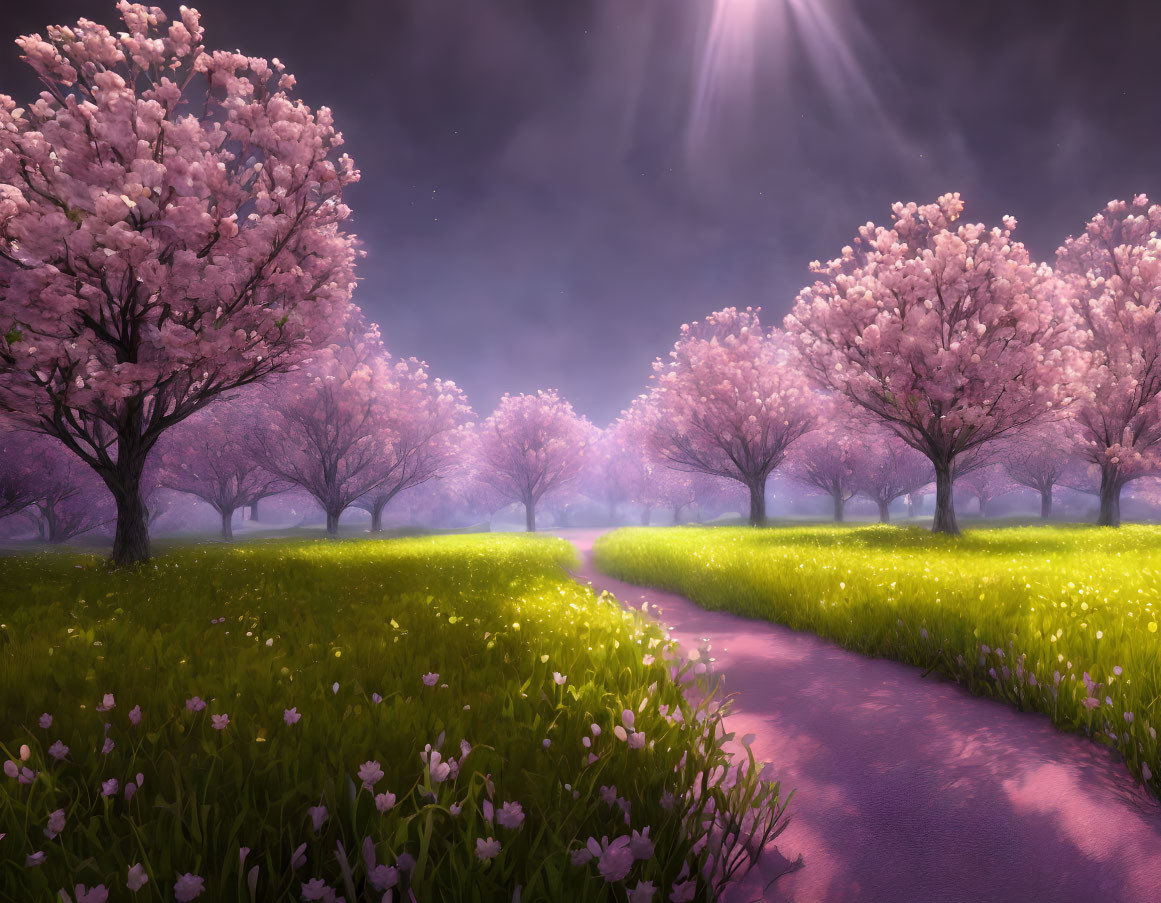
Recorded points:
(985,484)
(61,496)
(532,445)
(1113,274)
(1039,459)
(944,331)
(612,471)
(730,403)
(16,471)
(887,468)
(824,461)
(208,456)
(468,482)
(638,475)
(352,423)
(171,228)
(424,419)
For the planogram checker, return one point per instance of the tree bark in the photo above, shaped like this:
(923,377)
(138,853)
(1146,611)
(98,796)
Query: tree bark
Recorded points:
(677,514)
(333,524)
(1046,503)
(376,518)
(944,520)
(983,506)
(757,503)
(227,523)
(839,506)
(884,511)
(131,537)
(530,516)
(254,511)
(646,512)
(910,505)
(1110,515)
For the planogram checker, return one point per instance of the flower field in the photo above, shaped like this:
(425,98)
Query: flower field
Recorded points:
(1061,620)
(435,719)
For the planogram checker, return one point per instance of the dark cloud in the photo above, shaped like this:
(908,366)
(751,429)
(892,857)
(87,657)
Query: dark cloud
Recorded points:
(539,212)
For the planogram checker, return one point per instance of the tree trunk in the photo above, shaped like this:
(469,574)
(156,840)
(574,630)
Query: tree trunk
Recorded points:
(884,511)
(227,523)
(131,537)
(983,506)
(944,520)
(645,515)
(839,506)
(1046,503)
(758,503)
(254,511)
(333,523)
(910,505)
(530,516)
(376,518)
(1110,515)
(677,514)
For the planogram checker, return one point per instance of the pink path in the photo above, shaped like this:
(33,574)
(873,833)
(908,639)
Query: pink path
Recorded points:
(910,790)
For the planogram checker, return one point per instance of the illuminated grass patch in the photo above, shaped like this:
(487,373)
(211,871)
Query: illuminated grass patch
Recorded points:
(1062,620)
(308,720)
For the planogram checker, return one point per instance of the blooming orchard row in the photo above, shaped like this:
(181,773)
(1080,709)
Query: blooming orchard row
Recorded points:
(173,232)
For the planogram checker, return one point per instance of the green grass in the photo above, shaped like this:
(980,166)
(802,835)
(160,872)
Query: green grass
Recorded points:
(329,628)
(1043,617)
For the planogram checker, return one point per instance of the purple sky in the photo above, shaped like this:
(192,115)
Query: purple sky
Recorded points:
(545,199)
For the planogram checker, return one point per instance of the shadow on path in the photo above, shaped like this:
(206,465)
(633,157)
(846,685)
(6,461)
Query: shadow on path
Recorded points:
(909,789)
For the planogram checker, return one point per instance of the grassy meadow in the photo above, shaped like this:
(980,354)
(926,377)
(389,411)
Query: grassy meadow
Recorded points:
(1059,619)
(288,720)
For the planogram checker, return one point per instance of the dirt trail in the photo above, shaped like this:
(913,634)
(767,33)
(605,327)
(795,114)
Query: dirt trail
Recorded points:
(910,790)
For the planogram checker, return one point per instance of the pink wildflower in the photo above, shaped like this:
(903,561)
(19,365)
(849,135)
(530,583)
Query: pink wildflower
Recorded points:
(195,704)
(370,774)
(96,894)
(510,816)
(641,845)
(487,849)
(643,892)
(383,877)
(431,678)
(613,859)
(291,715)
(188,887)
(317,889)
(137,878)
(56,823)
(220,722)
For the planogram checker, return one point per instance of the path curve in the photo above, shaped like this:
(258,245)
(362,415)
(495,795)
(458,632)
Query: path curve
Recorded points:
(909,789)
